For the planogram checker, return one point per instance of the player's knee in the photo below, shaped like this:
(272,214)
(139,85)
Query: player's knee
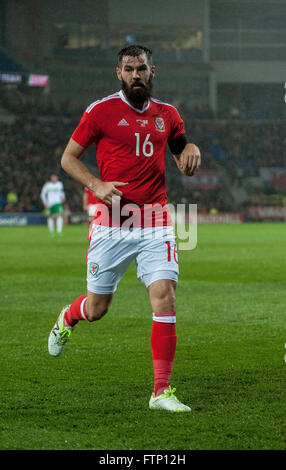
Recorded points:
(164,300)
(169,301)
(96,310)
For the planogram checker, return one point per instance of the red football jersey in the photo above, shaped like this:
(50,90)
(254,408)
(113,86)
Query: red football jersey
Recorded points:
(131,144)
(91,197)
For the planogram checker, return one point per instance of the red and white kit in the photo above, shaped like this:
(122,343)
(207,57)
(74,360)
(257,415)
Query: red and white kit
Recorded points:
(130,147)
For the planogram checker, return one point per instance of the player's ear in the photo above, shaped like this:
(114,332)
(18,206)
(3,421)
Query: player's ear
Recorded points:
(118,73)
(153,70)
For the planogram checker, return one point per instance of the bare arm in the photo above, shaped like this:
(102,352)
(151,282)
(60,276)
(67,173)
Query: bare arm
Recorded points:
(106,191)
(189,161)
(75,168)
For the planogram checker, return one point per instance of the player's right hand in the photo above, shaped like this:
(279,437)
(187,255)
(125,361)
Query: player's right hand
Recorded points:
(107,192)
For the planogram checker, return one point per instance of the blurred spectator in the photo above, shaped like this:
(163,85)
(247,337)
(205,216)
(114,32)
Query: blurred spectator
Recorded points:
(11,200)
(213,210)
(12,197)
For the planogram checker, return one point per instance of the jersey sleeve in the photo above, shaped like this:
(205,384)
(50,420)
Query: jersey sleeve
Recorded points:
(177,126)
(44,194)
(62,192)
(88,130)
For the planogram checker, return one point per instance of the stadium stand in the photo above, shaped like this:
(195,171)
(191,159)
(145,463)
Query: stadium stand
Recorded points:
(224,65)
(236,156)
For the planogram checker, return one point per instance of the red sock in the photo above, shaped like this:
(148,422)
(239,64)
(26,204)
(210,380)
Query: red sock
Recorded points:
(76,311)
(163,345)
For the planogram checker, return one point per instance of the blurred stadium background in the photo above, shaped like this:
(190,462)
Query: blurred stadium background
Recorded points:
(220,62)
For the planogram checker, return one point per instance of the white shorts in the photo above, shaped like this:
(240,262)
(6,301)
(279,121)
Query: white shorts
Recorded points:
(112,250)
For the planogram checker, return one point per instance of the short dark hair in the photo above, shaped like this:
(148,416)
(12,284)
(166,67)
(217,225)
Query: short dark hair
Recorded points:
(134,50)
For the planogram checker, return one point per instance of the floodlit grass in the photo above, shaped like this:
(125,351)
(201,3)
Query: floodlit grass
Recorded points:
(229,366)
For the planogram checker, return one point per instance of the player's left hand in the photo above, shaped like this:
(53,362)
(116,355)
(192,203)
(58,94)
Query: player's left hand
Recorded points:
(190,160)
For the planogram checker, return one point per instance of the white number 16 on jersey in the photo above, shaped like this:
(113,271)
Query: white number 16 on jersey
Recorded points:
(147,147)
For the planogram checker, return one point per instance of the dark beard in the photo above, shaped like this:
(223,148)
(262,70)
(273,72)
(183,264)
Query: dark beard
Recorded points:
(137,97)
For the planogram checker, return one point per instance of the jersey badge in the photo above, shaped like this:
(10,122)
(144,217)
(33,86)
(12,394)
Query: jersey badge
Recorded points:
(160,124)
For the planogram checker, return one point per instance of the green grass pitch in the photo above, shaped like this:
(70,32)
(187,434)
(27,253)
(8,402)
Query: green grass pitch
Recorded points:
(229,365)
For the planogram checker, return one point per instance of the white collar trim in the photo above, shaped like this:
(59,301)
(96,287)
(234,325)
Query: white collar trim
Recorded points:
(122,96)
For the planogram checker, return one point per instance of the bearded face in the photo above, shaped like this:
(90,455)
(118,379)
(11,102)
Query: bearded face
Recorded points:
(136,74)
(138,91)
